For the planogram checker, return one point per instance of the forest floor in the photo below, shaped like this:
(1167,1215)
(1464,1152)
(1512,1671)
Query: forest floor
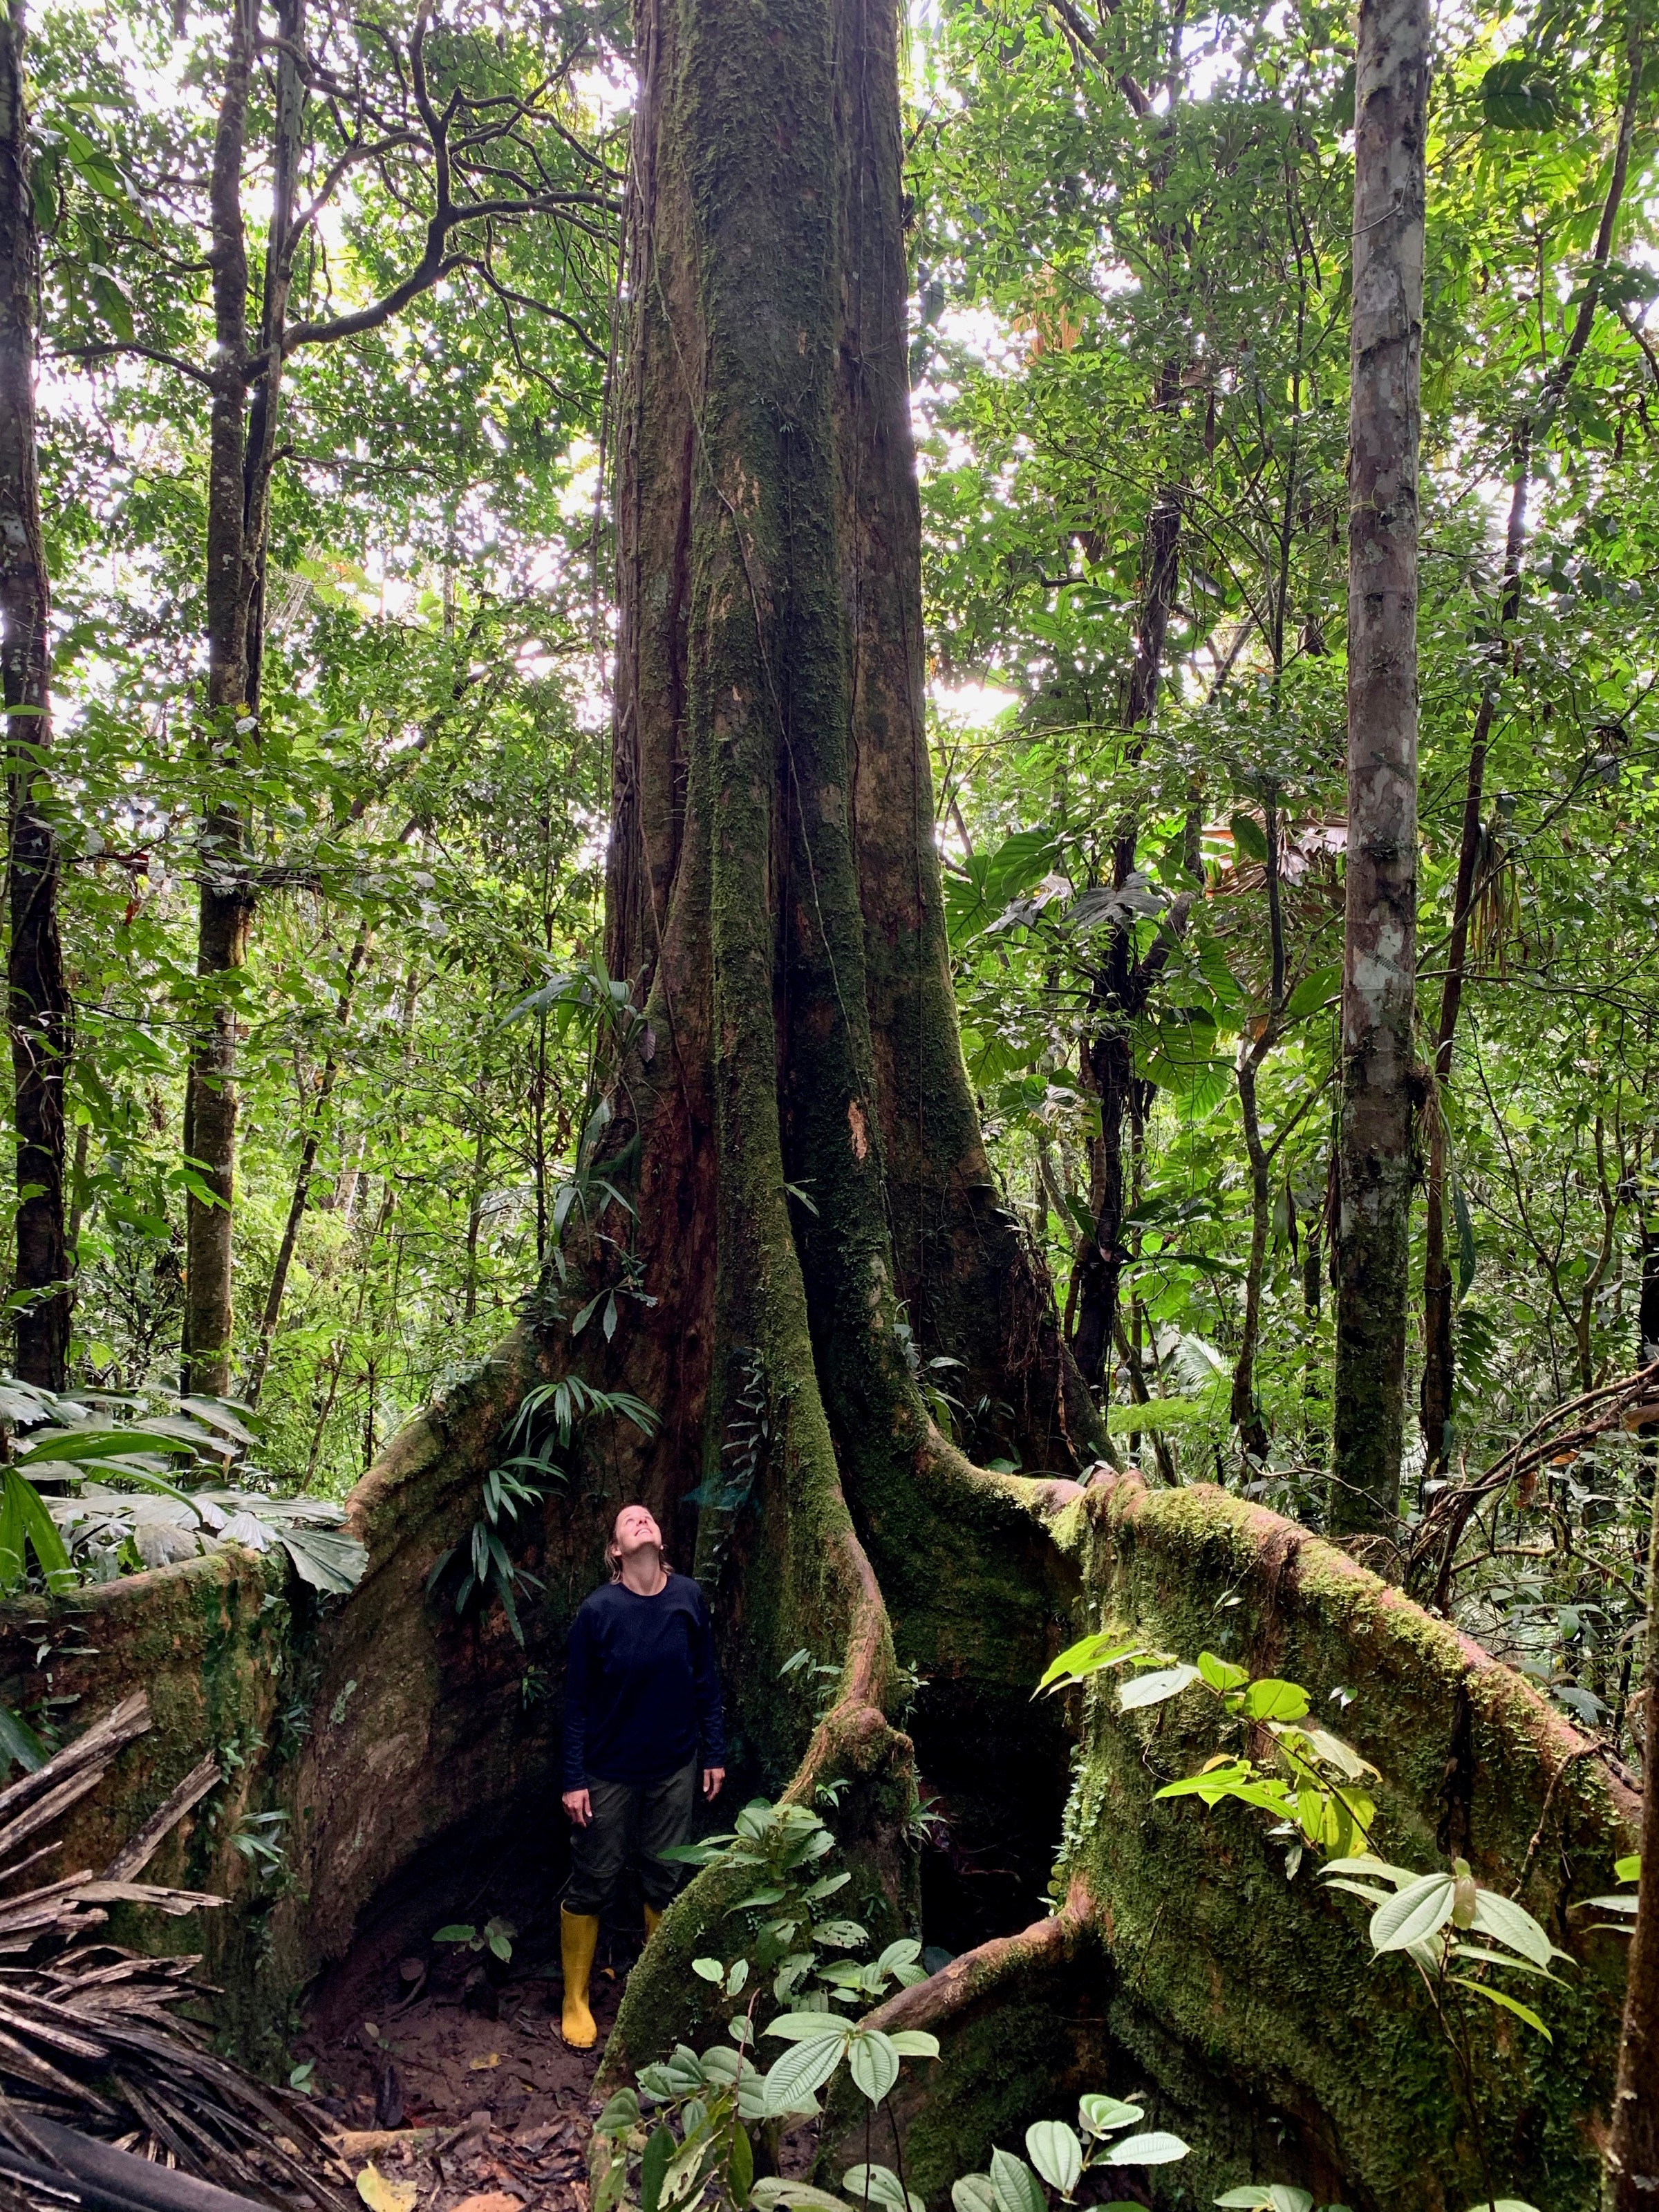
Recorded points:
(447,2076)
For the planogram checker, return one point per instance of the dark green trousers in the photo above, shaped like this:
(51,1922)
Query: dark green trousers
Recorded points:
(632,1822)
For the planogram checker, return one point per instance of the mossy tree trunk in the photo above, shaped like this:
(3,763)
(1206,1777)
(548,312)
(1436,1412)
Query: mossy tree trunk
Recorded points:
(811,1183)
(1379,969)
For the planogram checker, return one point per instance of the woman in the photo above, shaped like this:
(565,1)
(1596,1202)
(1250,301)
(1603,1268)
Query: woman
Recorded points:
(642,1714)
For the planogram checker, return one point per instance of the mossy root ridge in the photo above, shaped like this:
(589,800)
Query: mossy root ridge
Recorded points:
(1245,2009)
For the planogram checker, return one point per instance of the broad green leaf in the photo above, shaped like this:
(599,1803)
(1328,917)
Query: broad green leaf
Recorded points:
(810,2027)
(1018,2189)
(1053,2148)
(1087,1656)
(1221,1674)
(1156,2149)
(873,2063)
(973,2192)
(1269,1699)
(880,2184)
(1628,1869)
(1153,1689)
(803,2070)
(1513,1924)
(740,2167)
(1098,2114)
(1413,1914)
(914,2043)
(652,2168)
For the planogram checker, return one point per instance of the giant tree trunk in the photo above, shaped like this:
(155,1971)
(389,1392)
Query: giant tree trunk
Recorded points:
(1374,1215)
(38,1009)
(774,886)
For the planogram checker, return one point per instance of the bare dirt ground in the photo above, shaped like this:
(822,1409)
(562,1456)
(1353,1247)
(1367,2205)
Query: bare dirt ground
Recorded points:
(445,2072)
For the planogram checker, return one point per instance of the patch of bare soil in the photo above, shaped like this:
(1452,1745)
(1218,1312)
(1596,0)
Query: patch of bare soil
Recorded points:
(447,2074)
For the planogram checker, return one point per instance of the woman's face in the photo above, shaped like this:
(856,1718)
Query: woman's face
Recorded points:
(634,1530)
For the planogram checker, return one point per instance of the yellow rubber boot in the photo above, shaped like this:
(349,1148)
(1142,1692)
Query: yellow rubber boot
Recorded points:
(653,1922)
(579,1938)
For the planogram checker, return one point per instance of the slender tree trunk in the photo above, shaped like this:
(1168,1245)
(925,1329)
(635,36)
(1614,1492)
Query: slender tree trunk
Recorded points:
(297,1203)
(1632,2161)
(40,1012)
(1108,1057)
(1379,966)
(241,456)
(1439,1366)
(1244,1413)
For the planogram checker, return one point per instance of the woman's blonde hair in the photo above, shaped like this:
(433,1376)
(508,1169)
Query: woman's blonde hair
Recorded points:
(613,1557)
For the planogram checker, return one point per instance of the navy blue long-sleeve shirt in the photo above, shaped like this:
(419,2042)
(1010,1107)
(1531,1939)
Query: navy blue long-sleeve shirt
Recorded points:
(643,1693)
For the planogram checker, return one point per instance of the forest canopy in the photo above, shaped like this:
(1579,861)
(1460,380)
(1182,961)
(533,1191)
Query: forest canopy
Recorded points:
(325,778)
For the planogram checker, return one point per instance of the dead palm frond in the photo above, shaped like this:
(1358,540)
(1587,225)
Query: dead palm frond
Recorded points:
(89,2035)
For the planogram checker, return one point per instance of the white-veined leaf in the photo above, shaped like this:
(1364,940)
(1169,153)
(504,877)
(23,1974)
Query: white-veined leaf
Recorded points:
(1158,2147)
(1054,2149)
(1513,1924)
(1018,2189)
(1414,1913)
(874,2063)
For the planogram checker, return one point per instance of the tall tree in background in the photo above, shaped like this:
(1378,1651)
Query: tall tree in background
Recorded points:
(39,1009)
(1380,951)
(440,122)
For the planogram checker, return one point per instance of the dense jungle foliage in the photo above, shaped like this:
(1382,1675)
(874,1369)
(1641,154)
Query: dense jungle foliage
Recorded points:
(1130,234)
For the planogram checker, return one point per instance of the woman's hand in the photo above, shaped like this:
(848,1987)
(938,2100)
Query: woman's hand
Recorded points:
(713,1780)
(580,1806)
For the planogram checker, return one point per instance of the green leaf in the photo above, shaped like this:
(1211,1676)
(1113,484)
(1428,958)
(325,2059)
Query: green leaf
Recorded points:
(772,2191)
(18,1742)
(1156,2149)
(708,1970)
(1311,992)
(1053,2148)
(802,2071)
(873,2062)
(1249,839)
(1153,1689)
(880,2185)
(1516,96)
(621,2116)
(810,2027)
(1221,1674)
(1080,1660)
(1414,1914)
(1503,1998)
(1098,2114)
(1511,1923)
(1269,1699)
(1628,1869)
(740,2166)
(914,2043)
(1268,2196)
(973,2192)
(1018,2189)
(653,2166)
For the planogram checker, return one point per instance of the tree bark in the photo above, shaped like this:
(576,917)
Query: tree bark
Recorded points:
(242,458)
(1379,961)
(40,1012)
(773,887)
